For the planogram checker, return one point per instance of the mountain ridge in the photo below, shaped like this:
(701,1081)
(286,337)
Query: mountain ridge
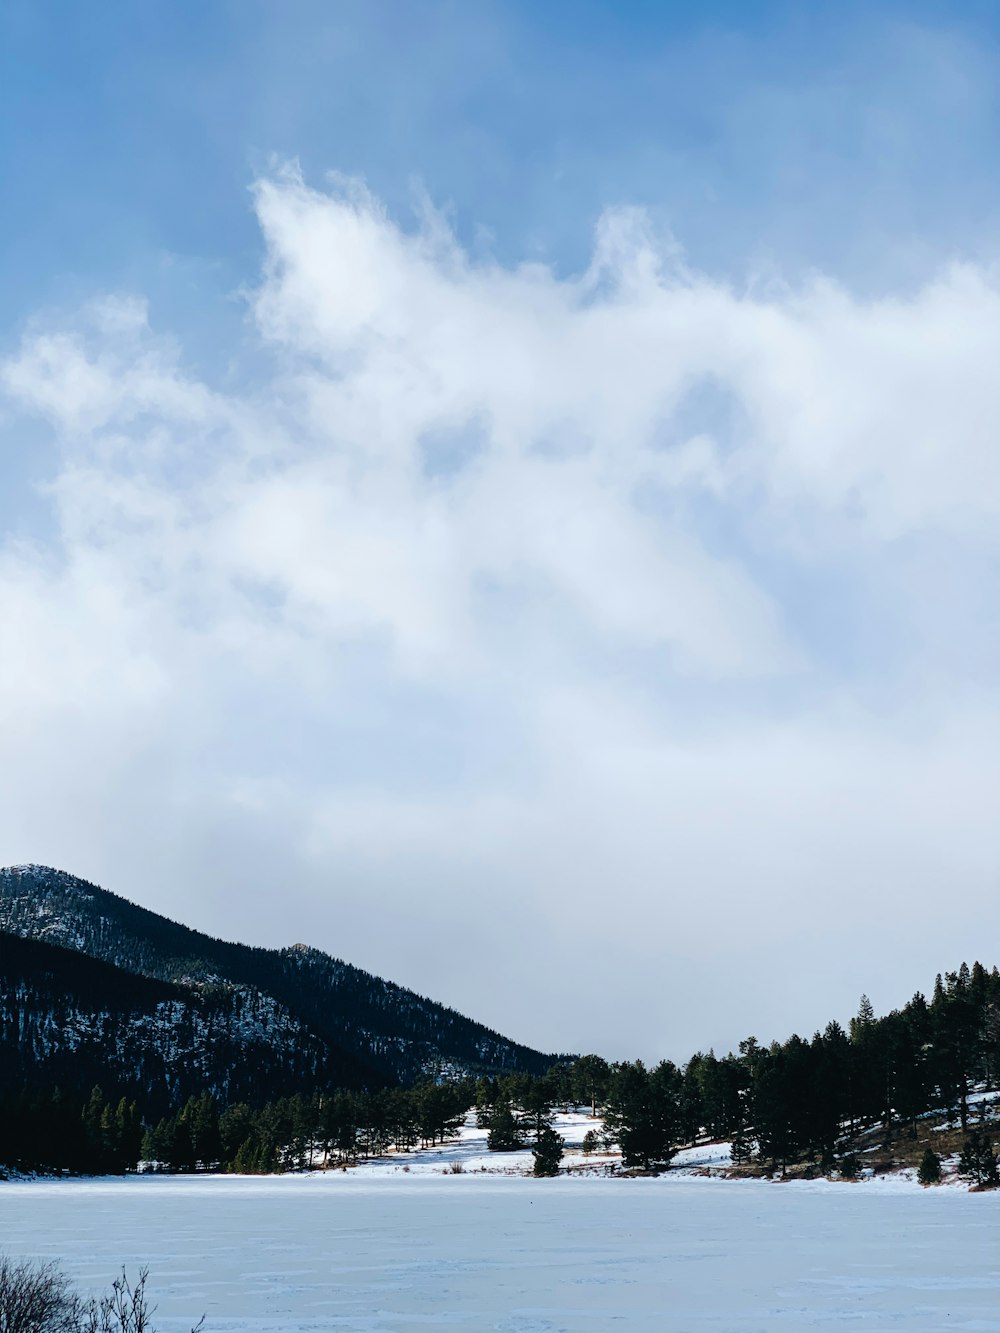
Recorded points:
(372,1030)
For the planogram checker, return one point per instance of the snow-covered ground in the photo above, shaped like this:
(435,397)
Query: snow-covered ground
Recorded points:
(379,1249)
(469,1151)
(295,1253)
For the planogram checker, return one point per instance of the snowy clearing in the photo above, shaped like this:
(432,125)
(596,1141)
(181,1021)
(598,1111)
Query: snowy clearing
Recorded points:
(469,1151)
(377,1254)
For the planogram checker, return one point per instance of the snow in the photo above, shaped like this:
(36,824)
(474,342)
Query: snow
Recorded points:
(706,1157)
(379,1249)
(470,1151)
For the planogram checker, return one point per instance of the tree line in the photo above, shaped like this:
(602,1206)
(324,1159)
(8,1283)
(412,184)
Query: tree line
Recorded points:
(793,1101)
(46,1130)
(805,1100)
(800,1100)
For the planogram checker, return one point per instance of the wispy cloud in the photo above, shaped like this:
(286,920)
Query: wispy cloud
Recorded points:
(493,619)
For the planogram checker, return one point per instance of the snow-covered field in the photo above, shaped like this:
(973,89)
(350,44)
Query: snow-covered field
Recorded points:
(382,1248)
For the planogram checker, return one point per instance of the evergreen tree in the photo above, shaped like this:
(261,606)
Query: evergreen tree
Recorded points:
(691,1108)
(850,1166)
(505,1133)
(929,1171)
(487,1096)
(246,1158)
(589,1080)
(742,1148)
(643,1112)
(774,1125)
(978,1160)
(201,1116)
(234,1130)
(547,1152)
(536,1105)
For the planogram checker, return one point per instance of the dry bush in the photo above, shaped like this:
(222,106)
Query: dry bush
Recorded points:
(38,1298)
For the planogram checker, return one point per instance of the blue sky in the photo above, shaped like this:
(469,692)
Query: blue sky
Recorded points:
(586,493)
(131,132)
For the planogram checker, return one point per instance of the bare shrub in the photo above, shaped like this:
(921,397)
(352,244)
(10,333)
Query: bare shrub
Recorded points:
(38,1298)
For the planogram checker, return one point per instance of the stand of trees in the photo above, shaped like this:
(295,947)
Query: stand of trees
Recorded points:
(49,1131)
(800,1100)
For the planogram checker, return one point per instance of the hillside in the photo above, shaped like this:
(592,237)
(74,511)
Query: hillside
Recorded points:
(301,1004)
(71,1021)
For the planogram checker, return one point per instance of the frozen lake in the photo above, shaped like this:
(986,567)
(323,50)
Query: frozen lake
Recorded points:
(460,1253)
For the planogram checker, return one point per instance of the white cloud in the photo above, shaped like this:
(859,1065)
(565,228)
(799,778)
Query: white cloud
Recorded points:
(459,644)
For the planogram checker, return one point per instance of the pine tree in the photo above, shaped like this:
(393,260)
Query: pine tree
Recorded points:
(547,1152)
(589,1080)
(742,1148)
(773,1109)
(929,1171)
(245,1161)
(234,1130)
(850,1166)
(643,1112)
(505,1133)
(978,1160)
(866,1014)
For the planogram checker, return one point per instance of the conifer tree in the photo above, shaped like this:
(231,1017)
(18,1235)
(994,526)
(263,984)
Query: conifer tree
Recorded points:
(978,1160)
(773,1119)
(643,1112)
(742,1148)
(505,1133)
(929,1171)
(589,1080)
(547,1152)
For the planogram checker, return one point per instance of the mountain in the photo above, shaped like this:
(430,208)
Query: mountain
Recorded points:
(71,1021)
(87,976)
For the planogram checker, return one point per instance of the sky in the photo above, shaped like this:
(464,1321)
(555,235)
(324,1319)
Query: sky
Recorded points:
(509,494)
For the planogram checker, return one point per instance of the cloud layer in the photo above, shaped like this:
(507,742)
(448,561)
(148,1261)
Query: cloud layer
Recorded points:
(609,656)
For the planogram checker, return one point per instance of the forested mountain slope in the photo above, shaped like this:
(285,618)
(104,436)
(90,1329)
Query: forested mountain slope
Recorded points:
(71,1021)
(371,1029)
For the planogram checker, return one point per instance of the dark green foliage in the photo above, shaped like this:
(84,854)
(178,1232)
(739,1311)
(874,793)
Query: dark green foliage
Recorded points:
(850,1166)
(978,1160)
(799,1098)
(188,1140)
(776,1124)
(441,1109)
(547,1152)
(589,1080)
(742,1148)
(49,1131)
(929,1171)
(505,1133)
(643,1112)
(720,1092)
